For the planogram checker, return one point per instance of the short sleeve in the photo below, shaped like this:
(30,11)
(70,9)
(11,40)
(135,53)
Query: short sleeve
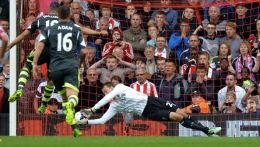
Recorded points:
(80,41)
(33,26)
(44,35)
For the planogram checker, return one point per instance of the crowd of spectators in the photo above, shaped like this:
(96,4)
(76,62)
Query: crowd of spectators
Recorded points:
(204,55)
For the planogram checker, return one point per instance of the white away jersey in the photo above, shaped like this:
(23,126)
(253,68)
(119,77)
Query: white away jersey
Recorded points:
(126,99)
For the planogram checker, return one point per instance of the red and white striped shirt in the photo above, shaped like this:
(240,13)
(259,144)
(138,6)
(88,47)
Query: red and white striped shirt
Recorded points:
(147,88)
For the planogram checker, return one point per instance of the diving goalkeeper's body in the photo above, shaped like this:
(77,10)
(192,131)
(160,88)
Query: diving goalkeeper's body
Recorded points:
(128,100)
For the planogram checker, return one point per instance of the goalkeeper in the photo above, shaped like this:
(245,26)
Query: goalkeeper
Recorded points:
(128,100)
(40,24)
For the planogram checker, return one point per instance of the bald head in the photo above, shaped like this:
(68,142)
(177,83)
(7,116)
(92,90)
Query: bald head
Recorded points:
(213,12)
(117,51)
(75,8)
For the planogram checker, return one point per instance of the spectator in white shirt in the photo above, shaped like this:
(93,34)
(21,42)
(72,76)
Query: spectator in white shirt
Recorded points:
(231,82)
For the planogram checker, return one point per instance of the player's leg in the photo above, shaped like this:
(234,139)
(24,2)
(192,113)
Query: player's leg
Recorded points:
(71,84)
(48,89)
(159,109)
(23,77)
(58,80)
(210,132)
(188,117)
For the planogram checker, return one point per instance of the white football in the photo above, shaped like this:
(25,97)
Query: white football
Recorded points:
(81,118)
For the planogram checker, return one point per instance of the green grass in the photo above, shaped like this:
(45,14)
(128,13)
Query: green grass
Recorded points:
(86,141)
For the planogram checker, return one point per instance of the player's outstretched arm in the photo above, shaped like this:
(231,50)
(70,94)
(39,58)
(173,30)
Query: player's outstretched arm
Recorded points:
(107,116)
(89,111)
(37,54)
(18,39)
(88,31)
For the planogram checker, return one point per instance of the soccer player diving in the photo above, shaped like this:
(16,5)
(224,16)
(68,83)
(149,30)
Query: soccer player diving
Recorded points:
(126,99)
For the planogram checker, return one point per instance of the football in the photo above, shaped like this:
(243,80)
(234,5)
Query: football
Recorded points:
(81,118)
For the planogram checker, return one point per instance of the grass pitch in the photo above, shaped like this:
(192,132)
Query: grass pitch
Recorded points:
(133,141)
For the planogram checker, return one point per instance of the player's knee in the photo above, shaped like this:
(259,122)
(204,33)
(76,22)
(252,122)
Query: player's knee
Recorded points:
(50,82)
(175,116)
(181,113)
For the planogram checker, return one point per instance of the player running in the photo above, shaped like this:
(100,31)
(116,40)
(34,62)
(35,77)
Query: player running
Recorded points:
(128,100)
(63,38)
(40,24)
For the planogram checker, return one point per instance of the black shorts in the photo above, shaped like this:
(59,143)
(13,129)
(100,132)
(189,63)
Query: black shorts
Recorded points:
(66,78)
(44,57)
(158,109)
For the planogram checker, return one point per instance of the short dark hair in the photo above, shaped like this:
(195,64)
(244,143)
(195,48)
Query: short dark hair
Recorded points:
(205,54)
(202,66)
(136,14)
(117,78)
(232,74)
(170,61)
(108,84)
(64,12)
(210,23)
(223,59)
(184,20)
(90,10)
(246,69)
(52,101)
(194,35)
(149,46)
(160,36)
(4,19)
(159,12)
(142,59)
(160,59)
(54,7)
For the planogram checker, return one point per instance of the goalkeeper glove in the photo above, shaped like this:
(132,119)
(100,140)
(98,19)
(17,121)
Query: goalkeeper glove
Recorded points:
(89,112)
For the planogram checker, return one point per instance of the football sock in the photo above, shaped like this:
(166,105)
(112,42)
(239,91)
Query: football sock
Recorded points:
(74,126)
(74,100)
(64,105)
(48,89)
(190,124)
(194,120)
(23,77)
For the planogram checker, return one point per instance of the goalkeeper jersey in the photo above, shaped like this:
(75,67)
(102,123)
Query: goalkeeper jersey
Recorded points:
(126,99)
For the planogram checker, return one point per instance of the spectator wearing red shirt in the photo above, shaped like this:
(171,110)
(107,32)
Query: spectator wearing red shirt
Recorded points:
(117,36)
(4,94)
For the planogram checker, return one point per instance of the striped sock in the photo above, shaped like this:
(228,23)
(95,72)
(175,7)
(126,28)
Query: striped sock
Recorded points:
(48,89)
(23,77)
(74,100)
